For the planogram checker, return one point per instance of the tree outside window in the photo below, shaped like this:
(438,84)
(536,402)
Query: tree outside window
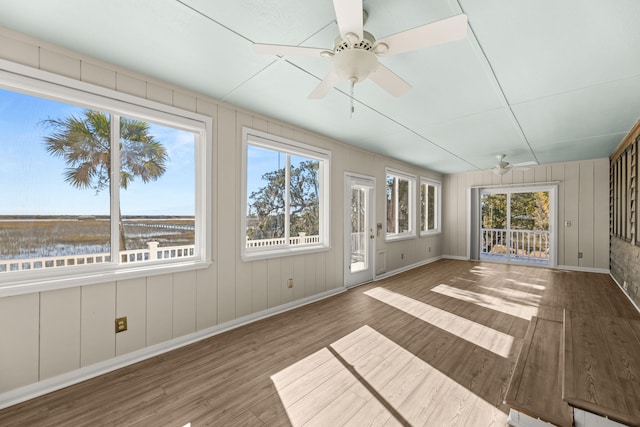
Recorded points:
(399,192)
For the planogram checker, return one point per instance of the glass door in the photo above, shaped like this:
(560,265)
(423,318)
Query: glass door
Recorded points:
(515,226)
(359,229)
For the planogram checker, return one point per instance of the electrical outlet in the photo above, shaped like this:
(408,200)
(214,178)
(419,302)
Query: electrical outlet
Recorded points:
(290,283)
(579,254)
(121,324)
(567,223)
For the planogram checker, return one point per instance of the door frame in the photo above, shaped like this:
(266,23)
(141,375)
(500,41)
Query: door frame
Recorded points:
(346,220)
(550,187)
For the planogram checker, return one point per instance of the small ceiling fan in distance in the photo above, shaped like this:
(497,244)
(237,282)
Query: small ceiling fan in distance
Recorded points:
(503,166)
(354,56)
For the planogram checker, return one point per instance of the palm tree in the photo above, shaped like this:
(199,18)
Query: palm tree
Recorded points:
(84,142)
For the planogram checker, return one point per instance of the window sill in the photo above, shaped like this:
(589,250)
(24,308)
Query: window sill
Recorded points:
(430,233)
(397,237)
(18,284)
(282,252)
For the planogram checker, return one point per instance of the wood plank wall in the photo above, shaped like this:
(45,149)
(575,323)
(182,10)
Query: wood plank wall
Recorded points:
(625,245)
(50,333)
(583,199)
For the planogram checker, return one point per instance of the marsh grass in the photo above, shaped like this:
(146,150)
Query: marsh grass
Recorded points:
(34,238)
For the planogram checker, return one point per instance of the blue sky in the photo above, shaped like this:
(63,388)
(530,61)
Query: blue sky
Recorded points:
(32,180)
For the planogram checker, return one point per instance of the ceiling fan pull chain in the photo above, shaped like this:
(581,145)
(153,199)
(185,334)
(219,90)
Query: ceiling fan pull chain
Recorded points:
(352,81)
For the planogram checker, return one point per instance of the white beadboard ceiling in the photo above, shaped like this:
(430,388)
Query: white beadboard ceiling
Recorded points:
(540,81)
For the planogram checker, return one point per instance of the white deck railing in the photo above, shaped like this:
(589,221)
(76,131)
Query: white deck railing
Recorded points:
(521,244)
(302,239)
(152,252)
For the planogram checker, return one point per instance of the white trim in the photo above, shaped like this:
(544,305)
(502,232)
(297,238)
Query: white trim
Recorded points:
(406,268)
(289,147)
(93,275)
(413,184)
(625,293)
(65,89)
(459,258)
(438,210)
(346,223)
(47,85)
(524,185)
(550,187)
(583,269)
(40,388)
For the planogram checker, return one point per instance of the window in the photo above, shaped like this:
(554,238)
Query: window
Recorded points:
(400,195)
(65,214)
(429,206)
(285,197)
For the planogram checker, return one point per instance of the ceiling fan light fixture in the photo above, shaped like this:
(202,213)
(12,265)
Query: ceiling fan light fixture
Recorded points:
(500,171)
(354,63)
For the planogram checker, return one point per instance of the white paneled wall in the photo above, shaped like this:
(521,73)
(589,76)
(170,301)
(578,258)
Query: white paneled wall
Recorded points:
(52,333)
(583,199)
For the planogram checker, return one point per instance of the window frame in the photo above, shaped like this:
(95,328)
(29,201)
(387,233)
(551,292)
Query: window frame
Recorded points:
(42,84)
(412,179)
(290,147)
(437,208)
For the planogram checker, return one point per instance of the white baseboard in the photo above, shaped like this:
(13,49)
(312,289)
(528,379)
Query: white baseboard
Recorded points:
(459,258)
(40,388)
(584,269)
(625,293)
(406,268)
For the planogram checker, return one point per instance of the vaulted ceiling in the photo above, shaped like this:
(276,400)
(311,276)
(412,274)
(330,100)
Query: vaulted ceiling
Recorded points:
(540,81)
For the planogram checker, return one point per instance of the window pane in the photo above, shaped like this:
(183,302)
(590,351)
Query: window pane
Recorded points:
(359,259)
(391,204)
(265,197)
(55,209)
(157,191)
(494,211)
(530,211)
(403,206)
(431,211)
(304,201)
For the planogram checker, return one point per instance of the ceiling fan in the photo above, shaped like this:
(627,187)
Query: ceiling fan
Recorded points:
(503,166)
(354,56)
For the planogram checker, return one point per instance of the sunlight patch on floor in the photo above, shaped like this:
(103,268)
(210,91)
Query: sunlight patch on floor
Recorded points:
(483,336)
(515,303)
(533,286)
(366,379)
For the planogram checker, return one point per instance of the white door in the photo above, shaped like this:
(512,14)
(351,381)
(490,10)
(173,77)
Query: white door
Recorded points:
(359,229)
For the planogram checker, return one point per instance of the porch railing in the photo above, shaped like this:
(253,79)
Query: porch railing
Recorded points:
(152,252)
(523,245)
(301,239)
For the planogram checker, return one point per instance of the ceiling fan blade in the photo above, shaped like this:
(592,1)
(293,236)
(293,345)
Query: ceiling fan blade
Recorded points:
(325,86)
(349,17)
(285,50)
(435,33)
(389,81)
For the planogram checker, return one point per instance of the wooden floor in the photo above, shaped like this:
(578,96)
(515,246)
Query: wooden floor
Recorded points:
(433,346)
